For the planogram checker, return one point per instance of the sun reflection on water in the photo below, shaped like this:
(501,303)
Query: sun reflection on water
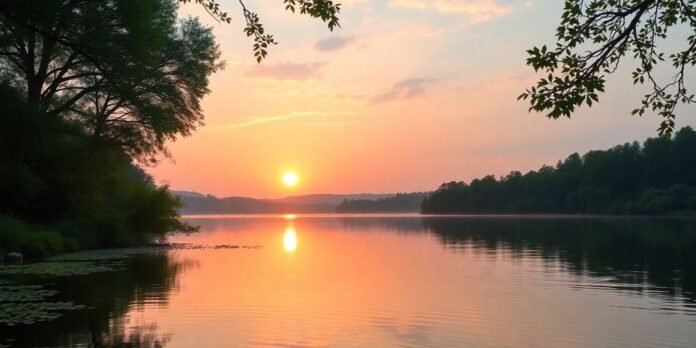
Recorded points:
(290,239)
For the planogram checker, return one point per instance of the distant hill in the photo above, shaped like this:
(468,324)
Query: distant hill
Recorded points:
(332,199)
(400,203)
(188,194)
(198,203)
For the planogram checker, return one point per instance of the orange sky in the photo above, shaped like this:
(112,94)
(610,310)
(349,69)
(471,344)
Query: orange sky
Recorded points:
(407,95)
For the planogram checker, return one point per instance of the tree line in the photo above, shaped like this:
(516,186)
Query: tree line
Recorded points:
(400,203)
(90,92)
(657,177)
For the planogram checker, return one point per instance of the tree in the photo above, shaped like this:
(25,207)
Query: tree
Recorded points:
(326,10)
(73,194)
(133,76)
(86,87)
(655,178)
(37,16)
(594,38)
(156,101)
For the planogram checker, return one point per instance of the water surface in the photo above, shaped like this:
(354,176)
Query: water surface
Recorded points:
(394,281)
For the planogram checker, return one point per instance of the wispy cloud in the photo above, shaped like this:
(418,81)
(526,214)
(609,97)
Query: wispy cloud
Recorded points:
(330,124)
(286,71)
(477,10)
(421,30)
(405,89)
(334,43)
(256,120)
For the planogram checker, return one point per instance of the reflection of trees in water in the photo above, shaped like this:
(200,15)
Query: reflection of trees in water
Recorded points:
(121,334)
(148,279)
(635,253)
(398,224)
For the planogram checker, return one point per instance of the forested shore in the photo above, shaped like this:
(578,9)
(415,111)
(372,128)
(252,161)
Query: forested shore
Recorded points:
(399,203)
(654,178)
(90,93)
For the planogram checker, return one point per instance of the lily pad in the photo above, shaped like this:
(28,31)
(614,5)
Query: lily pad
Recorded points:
(24,293)
(61,268)
(106,255)
(28,304)
(27,313)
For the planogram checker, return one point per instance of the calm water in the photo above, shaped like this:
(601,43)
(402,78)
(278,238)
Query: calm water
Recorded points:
(399,281)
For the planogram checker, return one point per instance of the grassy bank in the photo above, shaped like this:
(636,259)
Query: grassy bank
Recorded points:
(37,241)
(33,241)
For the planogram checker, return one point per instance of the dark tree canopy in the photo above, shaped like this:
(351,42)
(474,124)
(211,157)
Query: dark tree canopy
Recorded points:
(26,14)
(128,72)
(655,178)
(87,90)
(596,36)
(400,203)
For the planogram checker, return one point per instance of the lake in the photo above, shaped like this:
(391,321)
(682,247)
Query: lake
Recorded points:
(388,281)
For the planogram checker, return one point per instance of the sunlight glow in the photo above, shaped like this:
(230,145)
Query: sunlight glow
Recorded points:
(290,179)
(290,239)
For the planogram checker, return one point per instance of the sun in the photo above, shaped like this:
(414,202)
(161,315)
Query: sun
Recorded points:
(290,179)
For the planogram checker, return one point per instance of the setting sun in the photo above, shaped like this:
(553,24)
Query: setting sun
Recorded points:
(290,179)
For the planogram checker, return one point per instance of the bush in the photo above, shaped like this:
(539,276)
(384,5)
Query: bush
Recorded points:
(61,190)
(32,241)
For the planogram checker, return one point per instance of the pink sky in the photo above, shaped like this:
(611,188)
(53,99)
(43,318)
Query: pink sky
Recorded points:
(406,95)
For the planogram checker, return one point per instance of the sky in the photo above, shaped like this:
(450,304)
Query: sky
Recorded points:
(406,95)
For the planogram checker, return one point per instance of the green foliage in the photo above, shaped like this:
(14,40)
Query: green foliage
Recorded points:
(23,293)
(87,89)
(66,191)
(592,40)
(126,74)
(657,178)
(89,309)
(28,304)
(91,273)
(261,40)
(28,313)
(673,199)
(32,241)
(326,10)
(60,269)
(213,8)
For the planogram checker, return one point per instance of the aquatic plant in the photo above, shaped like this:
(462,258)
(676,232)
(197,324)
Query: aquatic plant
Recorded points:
(28,304)
(28,313)
(61,268)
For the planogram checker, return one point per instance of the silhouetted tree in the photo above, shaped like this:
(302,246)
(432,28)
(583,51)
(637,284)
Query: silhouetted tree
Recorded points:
(326,10)
(33,16)
(593,39)
(401,202)
(86,89)
(136,80)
